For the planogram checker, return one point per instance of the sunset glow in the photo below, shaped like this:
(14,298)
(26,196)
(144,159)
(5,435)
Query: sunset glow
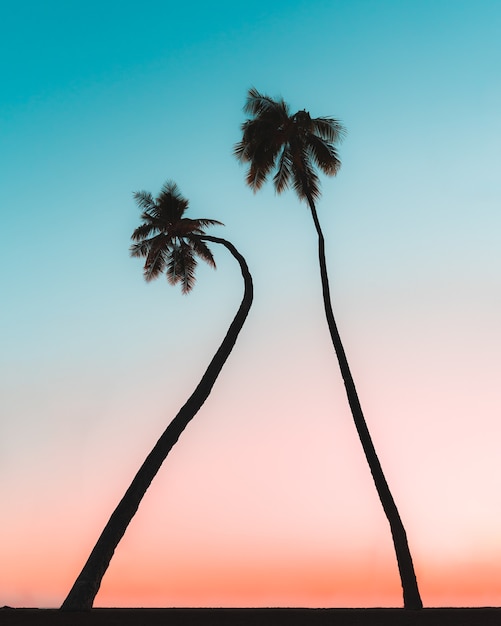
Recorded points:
(267,499)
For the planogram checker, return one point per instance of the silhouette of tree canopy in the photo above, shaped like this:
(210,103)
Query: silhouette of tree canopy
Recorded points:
(293,145)
(170,242)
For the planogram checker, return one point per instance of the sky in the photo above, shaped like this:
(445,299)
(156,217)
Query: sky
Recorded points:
(266,500)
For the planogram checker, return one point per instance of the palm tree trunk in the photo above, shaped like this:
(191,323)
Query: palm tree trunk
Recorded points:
(82,594)
(412,598)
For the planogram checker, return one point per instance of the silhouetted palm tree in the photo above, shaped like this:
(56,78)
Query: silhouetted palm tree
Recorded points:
(170,243)
(293,146)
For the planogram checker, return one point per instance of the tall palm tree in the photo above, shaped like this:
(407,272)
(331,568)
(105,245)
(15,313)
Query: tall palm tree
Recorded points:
(170,243)
(292,146)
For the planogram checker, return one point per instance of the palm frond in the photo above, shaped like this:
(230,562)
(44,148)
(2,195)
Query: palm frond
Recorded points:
(156,258)
(312,182)
(140,249)
(305,180)
(181,265)
(257,175)
(239,151)
(204,222)
(144,200)
(173,265)
(261,153)
(189,278)
(251,138)
(186,226)
(324,154)
(201,249)
(170,189)
(257,135)
(168,206)
(144,230)
(258,104)
(329,129)
(283,176)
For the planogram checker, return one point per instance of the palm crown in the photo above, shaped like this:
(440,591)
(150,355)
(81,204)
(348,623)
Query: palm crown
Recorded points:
(170,242)
(293,145)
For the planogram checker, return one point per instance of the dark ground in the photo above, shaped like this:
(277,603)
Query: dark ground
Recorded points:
(254,617)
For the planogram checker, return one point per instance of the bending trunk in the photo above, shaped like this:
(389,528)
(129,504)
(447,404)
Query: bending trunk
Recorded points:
(412,598)
(82,594)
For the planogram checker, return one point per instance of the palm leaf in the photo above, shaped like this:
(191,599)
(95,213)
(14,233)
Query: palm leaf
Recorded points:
(239,151)
(324,154)
(255,133)
(197,226)
(170,204)
(201,249)
(329,129)
(257,175)
(257,104)
(305,180)
(156,258)
(261,154)
(189,274)
(140,249)
(173,265)
(204,222)
(144,231)
(185,226)
(171,191)
(282,178)
(144,200)
(181,265)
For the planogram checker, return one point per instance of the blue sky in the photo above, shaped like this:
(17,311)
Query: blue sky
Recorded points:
(101,99)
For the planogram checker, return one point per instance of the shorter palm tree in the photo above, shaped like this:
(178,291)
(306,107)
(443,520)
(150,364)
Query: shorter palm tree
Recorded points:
(170,244)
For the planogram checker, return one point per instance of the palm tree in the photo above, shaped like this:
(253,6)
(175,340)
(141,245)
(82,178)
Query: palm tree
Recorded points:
(293,146)
(170,243)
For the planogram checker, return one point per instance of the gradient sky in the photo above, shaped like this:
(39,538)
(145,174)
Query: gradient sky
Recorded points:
(267,499)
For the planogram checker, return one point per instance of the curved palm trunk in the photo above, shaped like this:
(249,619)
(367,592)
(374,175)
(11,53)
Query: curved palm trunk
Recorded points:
(86,586)
(412,598)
